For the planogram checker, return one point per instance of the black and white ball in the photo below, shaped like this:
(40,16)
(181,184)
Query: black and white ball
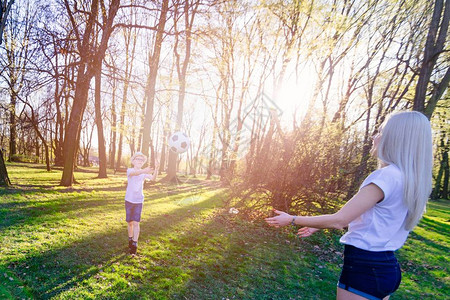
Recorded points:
(179,142)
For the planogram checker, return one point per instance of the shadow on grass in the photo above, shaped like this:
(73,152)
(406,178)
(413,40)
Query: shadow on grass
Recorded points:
(42,167)
(243,267)
(54,271)
(224,260)
(219,258)
(24,189)
(437,227)
(32,211)
(170,189)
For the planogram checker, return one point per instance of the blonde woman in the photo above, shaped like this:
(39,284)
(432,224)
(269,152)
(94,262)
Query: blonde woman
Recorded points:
(388,205)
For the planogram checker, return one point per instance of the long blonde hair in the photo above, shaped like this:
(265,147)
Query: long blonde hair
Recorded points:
(407,143)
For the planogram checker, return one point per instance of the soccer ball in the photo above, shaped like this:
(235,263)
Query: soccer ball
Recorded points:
(179,142)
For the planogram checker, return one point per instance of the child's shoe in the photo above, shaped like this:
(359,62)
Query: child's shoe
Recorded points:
(130,243)
(133,248)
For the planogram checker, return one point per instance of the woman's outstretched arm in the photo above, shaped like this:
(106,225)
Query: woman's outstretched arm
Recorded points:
(366,198)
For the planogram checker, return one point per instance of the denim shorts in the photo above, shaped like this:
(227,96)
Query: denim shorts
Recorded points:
(133,211)
(373,275)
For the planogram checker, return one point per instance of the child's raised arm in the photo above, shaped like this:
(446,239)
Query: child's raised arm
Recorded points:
(155,172)
(139,172)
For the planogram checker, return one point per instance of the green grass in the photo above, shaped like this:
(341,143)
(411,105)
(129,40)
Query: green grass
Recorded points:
(70,243)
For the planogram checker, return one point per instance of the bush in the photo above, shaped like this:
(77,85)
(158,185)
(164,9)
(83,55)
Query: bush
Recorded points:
(306,171)
(24,158)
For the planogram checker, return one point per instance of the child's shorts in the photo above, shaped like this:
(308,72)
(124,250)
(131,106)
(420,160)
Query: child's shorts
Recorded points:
(373,275)
(133,211)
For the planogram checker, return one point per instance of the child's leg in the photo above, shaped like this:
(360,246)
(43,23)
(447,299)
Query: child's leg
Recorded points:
(130,229)
(130,233)
(134,241)
(129,214)
(136,229)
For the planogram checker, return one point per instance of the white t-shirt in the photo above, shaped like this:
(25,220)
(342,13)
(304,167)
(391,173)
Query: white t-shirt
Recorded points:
(135,187)
(381,228)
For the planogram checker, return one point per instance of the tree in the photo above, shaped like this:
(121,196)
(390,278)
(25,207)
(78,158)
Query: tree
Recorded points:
(91,58)
(150,89)
(189,12)
(382,85)
(130,35)
(99,123)
(54,55)
(441,128)
(434,47)
(5,7)
(34,120)
(17,48)
(113,133)
(4,179)
(294,18)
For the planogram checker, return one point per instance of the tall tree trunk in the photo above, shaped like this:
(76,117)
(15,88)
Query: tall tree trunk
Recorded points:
(5,9)
(151,79)
(112,152)
(73,129)
(436,38)
(59,125)
(99,123)
(59,95)
(445,163)
(44,143)
(224,164)
(12,127)
(130,40)
(166,132)
(173,157)
(122,125)
(4,179)
(86,71)
(437,94)
(365,155)
(212,152)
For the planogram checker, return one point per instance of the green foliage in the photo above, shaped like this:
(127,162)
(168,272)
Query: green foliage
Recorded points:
(24,158)
(70,243)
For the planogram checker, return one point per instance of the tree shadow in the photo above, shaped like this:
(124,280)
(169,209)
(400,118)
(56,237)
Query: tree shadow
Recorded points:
(438,227)
(80,169)
(425,254)
(20,212)
(63,268)
(228,261)
(46,189)
(171,189)
(16,212)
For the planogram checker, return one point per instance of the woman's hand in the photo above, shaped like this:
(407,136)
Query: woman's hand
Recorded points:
(282,219)
(306,231)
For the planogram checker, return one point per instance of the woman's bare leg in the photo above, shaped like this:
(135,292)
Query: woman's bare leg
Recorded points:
(346,295)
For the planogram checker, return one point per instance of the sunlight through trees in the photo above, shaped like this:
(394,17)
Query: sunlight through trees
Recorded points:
(220,71)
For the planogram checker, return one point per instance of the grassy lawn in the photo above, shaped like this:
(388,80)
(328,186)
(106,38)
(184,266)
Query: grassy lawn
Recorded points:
(71,243)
